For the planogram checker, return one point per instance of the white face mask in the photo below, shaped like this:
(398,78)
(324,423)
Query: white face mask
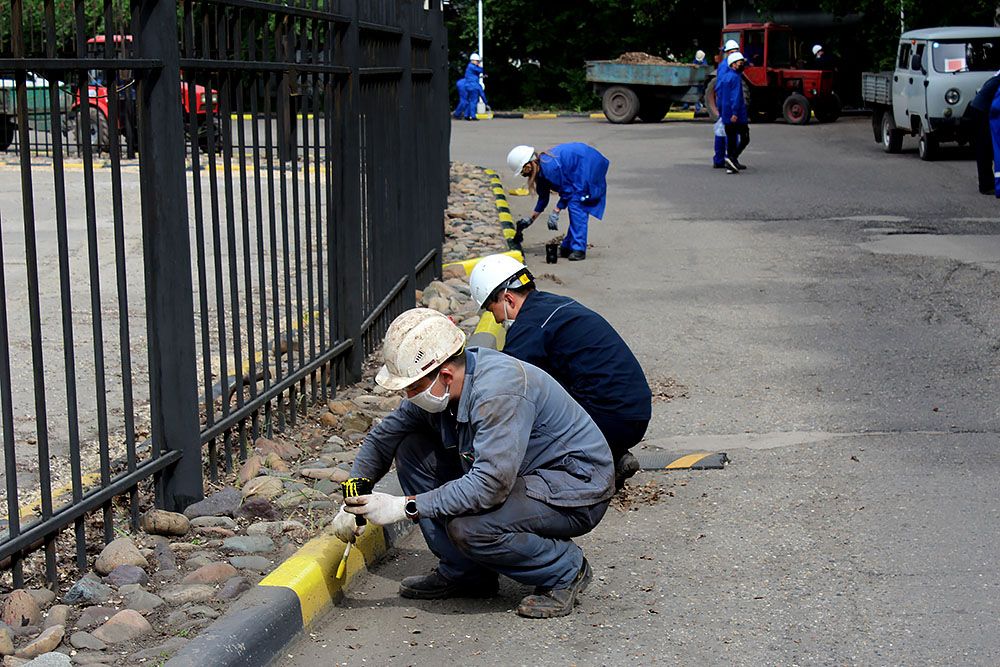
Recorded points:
(427,401)
(507,321)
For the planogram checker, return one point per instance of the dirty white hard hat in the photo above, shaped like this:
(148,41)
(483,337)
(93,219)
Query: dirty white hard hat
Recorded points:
(518,157)
(734,58)
(731,45)
(475,56)
(417,342)
(817,48)
(493,272)
(699,55)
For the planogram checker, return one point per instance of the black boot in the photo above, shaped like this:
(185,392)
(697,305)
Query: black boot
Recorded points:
(626,465)
(553,602)
(433,586)
(564,251)
(577,255)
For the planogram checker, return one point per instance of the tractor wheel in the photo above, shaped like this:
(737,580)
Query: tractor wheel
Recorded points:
(620,104)
(796,110)
(100,135)
(653,109)
(927,148)
(892,139)
(7,128)
(829,110)
(713,108)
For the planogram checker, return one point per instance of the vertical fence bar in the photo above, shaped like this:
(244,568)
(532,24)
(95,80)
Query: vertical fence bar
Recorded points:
(348,273)
(167,251)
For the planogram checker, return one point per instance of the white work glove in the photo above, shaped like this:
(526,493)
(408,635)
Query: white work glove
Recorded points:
(346,527)
(379,508)
(554,220)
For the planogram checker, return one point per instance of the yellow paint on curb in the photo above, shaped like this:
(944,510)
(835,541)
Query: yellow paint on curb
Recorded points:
(687,461)
(310,572)
(539,116)
(468,264)
(34,508)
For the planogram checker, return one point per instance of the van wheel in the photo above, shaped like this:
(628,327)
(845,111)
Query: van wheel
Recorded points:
(892,138)
(927,148)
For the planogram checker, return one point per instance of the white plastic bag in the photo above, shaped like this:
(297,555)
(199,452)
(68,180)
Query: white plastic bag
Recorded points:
(720,129)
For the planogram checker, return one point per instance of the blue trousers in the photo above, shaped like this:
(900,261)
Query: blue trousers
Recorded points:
(719,158)
(522,538)
(471,99)
(995,133)
(576,235)
(462,99)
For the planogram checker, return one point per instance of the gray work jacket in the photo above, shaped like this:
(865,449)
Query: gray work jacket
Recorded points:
(512,420)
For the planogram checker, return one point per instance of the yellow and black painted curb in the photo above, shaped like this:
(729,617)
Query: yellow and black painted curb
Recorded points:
(255,630)
(694,461)
(507,225)
(549,115)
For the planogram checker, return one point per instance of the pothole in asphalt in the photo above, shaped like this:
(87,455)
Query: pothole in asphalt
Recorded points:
(981,249)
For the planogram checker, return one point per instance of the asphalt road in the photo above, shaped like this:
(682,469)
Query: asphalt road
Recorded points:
(832,316)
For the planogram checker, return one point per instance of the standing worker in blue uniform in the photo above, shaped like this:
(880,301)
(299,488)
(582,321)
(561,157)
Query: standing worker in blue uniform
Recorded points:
(719,129)
(578,173)
(995,133)
(979,113)
(733,111)
(574,345)
(473,88)
(500,467)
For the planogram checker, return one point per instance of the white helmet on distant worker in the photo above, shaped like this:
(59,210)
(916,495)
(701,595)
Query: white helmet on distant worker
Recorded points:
(475,57)
(817,48)
(417,342)
(518,157)
(699,55)
(495,272)
(731,45)
(734,58)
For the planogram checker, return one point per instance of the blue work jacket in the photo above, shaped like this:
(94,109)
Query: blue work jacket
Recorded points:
(583,353)
(576,171)
(512,420)
(729,95)
(472,73)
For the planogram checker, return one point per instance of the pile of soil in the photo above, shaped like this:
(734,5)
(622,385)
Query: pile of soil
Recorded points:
(639,58)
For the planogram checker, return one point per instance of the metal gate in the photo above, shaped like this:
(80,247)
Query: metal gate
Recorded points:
(285,202)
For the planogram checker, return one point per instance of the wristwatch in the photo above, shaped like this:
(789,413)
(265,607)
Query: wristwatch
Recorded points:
(410,509)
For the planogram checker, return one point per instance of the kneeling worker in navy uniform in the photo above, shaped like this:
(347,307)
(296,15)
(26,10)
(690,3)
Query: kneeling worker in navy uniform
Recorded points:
(576,346)
(500,466)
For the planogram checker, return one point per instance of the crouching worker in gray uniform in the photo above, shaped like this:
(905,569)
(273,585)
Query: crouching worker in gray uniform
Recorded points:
(500,467)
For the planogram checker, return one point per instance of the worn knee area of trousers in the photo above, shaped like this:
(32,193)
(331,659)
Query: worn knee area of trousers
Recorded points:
(471,533)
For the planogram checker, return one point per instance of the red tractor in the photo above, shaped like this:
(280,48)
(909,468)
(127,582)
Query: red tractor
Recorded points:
(97,103)
(775,79)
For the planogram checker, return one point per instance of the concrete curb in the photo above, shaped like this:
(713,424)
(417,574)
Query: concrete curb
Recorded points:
(255,630)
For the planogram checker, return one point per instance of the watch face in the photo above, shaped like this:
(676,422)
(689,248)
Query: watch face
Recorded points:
(410,508)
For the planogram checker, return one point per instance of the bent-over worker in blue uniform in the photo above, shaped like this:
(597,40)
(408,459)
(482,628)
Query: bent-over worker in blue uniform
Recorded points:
(574,345)
(472,87)
(498,464)
(578,173)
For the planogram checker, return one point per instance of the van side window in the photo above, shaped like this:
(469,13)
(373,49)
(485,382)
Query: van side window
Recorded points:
(904,56)
(919,52)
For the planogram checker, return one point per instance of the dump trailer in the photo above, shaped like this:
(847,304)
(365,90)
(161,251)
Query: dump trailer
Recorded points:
(644,91)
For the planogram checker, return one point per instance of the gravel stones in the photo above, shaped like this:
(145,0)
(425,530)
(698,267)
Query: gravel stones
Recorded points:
(185,593)
(119,552)
(94,616)
(161,522)
(20,609)
(50,660)
(123,575)
(248,544)
(6,641)
(57,615)
(252,563)
(332,474)
(86,641)
(166,562)
(257,508)
(220,503)
(234,587)
(275,528)
(213,522)
(263,487)
(44,643)
(164,650)
(213,573)
(142,601)
(88,590)
(250,468)
(124,626)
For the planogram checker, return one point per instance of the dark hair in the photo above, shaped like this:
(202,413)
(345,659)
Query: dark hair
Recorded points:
(522,290)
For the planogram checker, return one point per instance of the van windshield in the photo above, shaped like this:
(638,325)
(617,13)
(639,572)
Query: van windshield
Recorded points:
(973,55)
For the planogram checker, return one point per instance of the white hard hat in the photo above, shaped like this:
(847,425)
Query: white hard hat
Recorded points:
(731,45)
(474,56)
(734,58)
(699,55)
(417,342)
(493,272)
(817,48)
(518,157)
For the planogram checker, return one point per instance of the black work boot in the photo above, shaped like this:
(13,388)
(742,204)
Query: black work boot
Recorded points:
(553,602)
(626,465)
(433,586)
(577,255)
(564,251)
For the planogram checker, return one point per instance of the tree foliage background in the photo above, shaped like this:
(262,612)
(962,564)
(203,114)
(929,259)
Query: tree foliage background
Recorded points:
(534,52)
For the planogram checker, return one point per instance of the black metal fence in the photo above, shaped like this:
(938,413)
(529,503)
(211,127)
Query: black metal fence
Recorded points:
(159,316)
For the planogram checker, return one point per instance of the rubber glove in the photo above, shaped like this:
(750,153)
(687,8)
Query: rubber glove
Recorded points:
(554,220)
(345,526)
(379,508)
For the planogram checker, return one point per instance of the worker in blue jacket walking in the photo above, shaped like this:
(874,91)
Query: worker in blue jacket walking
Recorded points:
(500,467)
(576,346)
(719,129)
(473,87)
(578,173)
(733,111)
(995,133)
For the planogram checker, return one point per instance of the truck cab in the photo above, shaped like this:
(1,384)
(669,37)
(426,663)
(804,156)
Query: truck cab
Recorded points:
(938,72)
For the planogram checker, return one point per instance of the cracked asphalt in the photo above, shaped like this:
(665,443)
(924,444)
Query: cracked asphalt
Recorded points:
(832,314)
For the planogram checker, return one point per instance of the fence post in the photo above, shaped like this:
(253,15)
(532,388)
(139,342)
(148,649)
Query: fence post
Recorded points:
(440,85)
(347,256)
(167,256)
(408,198)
